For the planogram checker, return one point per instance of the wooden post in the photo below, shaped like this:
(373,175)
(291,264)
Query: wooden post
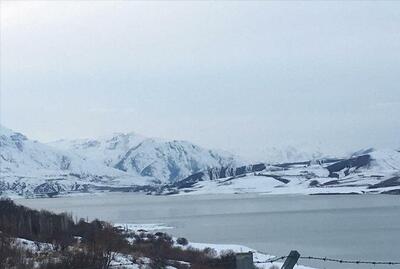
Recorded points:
(244,260)
(291,260)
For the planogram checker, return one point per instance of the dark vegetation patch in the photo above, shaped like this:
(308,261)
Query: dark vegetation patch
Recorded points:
(82,244)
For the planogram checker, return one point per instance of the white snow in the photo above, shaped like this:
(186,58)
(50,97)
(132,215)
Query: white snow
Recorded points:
(26,164)
(32,246)
(219,248)
(257,255)
(143,226)
(160,159)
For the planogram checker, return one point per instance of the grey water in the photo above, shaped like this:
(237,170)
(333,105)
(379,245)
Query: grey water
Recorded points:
(365,227)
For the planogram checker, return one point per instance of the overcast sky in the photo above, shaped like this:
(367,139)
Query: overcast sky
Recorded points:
(240,76)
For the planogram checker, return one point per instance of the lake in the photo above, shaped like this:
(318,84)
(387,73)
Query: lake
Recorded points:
(365,227)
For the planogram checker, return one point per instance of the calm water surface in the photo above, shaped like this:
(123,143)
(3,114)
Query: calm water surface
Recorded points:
(348,226)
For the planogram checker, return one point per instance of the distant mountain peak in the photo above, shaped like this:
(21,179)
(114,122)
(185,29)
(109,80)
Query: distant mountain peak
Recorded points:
(162,159)
(26,164)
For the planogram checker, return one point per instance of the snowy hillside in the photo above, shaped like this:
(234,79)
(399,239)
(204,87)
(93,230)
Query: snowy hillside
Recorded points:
(372,171)
(108,150)
(165,161)
(30,166)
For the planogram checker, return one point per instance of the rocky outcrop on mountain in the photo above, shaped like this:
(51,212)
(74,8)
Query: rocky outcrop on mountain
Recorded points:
(345,165)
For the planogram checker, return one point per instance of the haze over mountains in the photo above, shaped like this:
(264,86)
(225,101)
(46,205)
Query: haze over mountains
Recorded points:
(131,162)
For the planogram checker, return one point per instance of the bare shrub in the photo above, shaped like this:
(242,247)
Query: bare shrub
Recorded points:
(182,241)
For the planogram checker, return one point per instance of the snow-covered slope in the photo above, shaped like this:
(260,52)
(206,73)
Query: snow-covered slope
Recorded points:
(165,161)
(108,149)
(30,166)
(372,171)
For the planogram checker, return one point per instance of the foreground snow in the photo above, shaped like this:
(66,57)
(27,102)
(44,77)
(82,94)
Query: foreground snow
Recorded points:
(258,257)
(125,261)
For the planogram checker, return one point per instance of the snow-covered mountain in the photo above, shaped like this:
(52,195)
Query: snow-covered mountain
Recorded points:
(165,161)
(130,162)
(30,166)
(121,161)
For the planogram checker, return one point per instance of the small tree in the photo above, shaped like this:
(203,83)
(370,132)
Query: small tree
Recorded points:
(182,241)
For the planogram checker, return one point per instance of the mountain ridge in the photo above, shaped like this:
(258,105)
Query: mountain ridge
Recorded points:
(28,166)
(165,160)
(130,162)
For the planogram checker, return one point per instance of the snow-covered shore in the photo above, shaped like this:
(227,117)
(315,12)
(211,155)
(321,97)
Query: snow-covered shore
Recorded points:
(259,257)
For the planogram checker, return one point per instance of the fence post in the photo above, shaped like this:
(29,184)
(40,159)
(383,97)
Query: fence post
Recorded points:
(244,260)
(291,260)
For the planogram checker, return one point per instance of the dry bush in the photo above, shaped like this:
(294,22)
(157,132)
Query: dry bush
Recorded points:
(182,241)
